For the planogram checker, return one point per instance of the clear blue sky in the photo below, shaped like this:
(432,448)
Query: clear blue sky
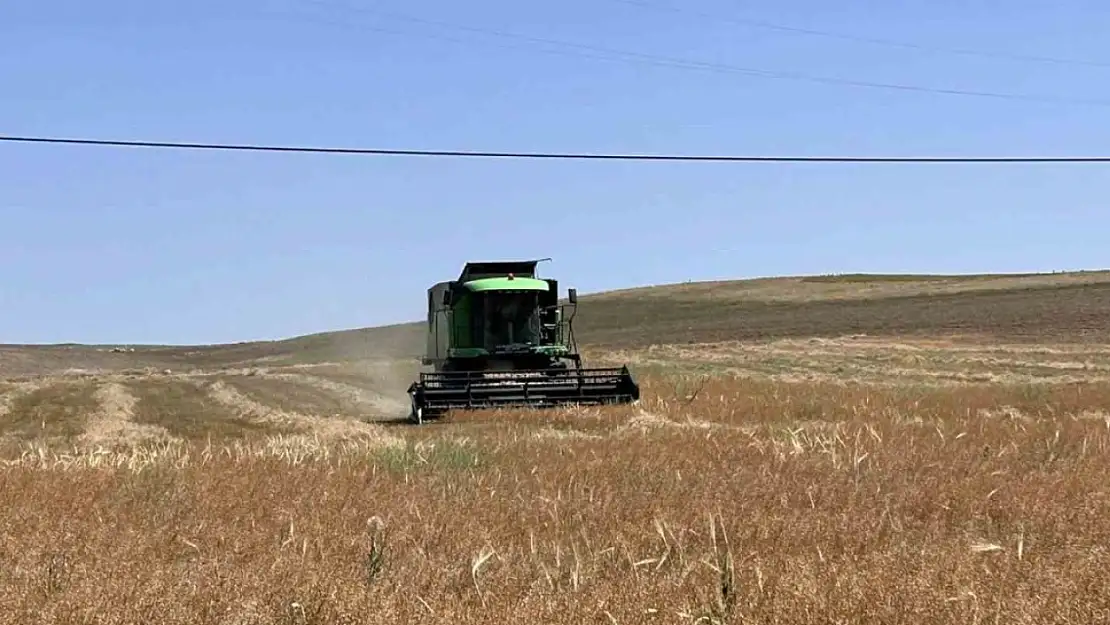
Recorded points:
(137,245)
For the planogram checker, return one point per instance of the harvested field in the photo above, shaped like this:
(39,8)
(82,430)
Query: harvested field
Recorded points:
(878,361)
(1074,313)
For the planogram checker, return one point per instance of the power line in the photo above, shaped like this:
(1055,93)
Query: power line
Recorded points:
(551,155)
(861,39)
(681,63)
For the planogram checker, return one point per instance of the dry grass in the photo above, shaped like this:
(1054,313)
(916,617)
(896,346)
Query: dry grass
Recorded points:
(728,500)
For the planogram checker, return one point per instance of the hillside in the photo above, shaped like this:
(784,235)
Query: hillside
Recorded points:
(1065,307)
(1061,308)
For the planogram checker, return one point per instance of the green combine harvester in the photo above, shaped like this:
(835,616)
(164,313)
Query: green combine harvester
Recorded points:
(498,337)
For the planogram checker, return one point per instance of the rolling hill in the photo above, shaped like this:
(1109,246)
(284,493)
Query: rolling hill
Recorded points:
(337,382)
(1062,307)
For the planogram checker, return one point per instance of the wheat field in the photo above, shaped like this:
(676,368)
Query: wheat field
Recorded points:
(733,493)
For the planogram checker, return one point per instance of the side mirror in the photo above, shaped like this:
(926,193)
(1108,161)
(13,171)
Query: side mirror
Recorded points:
(446,298)
(572,295)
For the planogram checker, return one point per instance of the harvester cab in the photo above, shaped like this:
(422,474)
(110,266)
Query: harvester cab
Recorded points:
(498,336)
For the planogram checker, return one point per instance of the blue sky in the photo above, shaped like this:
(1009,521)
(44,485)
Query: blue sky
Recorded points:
(138,245)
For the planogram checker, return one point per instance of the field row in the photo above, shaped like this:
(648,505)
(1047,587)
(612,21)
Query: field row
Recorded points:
(135,409)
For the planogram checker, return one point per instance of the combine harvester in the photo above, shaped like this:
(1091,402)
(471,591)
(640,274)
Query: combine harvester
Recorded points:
(498,337)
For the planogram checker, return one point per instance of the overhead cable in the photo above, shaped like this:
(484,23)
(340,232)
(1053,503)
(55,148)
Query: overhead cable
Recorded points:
(548,155)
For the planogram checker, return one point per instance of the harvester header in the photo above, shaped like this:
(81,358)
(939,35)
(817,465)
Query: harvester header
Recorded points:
(498,336)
